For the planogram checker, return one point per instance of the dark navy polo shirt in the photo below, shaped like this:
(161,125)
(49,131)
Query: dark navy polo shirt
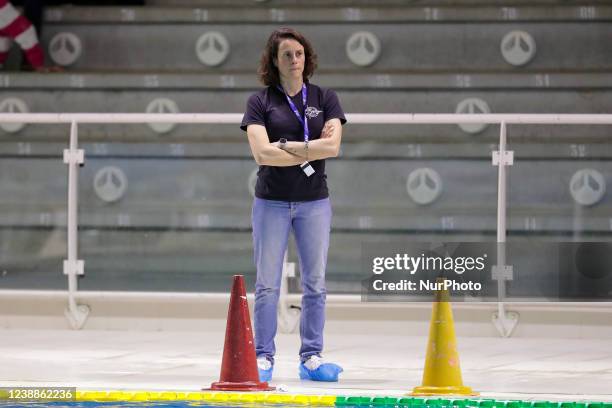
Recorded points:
(270,108)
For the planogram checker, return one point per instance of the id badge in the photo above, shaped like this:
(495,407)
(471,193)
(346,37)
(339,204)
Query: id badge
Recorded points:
(307,169)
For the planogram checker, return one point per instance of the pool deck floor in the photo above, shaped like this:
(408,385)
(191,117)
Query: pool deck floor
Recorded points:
(375,364)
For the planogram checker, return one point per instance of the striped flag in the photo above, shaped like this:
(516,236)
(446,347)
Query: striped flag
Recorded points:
(15,26)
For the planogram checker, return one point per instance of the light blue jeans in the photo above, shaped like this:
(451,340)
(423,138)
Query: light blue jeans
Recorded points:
(311,224)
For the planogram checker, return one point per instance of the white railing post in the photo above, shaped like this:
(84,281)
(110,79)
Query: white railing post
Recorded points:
(73,157)
(505,322)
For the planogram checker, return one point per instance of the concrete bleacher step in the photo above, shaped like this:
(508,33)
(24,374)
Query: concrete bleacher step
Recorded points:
(361,3)
(589,92)
(373,81)
(438,39)
(200,260)
(447,46)
(186,203)
(325,12)
(205,194)
(191,218)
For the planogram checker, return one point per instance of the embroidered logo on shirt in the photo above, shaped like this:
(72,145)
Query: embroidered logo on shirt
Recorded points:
(312,112)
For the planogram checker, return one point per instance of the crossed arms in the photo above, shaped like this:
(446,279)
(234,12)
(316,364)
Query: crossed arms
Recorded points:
(270,154)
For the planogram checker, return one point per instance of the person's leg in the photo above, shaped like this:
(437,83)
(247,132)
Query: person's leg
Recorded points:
(33,11)
(5,45)
(311,226)
(271,225)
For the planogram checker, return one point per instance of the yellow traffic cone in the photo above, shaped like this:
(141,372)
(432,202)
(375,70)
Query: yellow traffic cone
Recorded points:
(442,375)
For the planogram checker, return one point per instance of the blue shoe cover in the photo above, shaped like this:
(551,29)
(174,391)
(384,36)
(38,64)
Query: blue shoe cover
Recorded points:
(325,372)
(264,367)
(265,375)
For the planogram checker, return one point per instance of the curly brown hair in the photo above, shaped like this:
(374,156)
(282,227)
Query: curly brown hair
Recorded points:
(268,72)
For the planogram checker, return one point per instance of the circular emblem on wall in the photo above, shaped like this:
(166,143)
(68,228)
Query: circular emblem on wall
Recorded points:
(518,47)
(424,185)
(363,48)
(110,184)
(471,106)
(65,48)
(162,105)
(587,187)
(212,48)
(13,105)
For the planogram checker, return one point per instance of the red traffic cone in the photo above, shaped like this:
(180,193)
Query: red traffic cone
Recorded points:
(239,365)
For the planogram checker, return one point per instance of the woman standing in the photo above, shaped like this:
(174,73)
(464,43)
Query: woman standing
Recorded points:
(292,127)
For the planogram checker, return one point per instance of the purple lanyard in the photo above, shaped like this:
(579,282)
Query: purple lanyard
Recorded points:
(304,120)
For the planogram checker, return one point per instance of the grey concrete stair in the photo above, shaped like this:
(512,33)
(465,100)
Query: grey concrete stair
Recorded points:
(353,12)
(214,194)
(427,47)
(380,81)
(365,3)
(516,93)
(185,213)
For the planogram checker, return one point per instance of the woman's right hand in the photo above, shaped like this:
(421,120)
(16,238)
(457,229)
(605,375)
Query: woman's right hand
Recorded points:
(328,130)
